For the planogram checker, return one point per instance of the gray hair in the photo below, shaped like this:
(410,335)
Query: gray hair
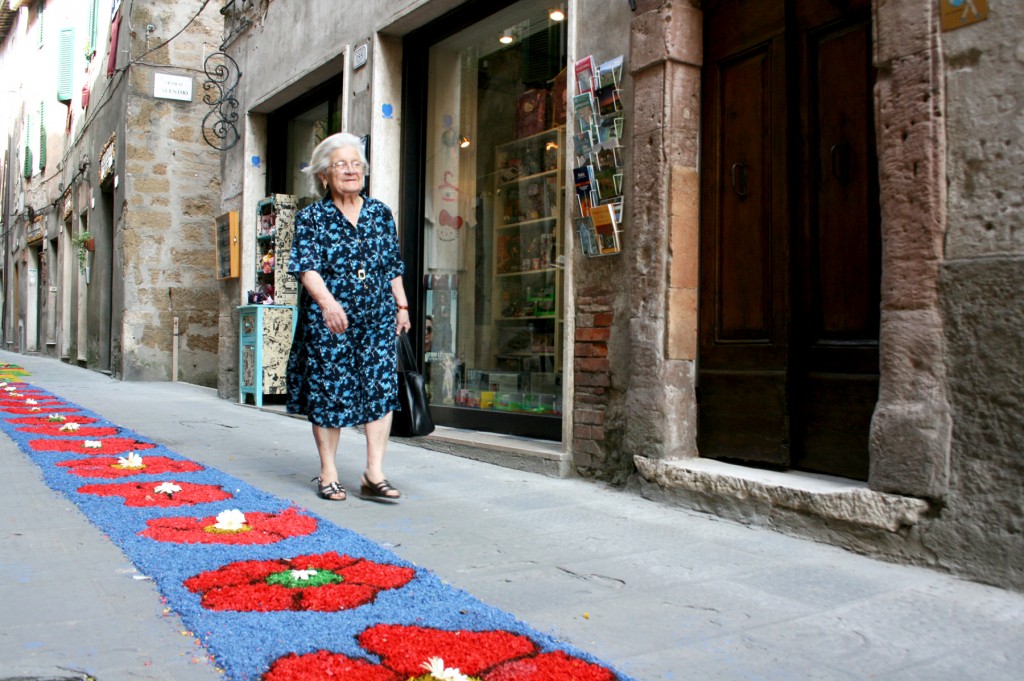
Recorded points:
(321,158)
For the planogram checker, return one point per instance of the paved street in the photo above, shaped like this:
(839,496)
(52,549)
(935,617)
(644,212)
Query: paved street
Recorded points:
(656,591)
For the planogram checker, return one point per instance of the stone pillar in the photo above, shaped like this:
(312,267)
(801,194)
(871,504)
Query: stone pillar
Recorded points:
(911,429)
(665,60)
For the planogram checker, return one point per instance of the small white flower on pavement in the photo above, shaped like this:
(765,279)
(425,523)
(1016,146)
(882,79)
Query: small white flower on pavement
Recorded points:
(167,488)
(232,520)
(92,444)
(435,666)
(69,427)
(302,575)
(133,460)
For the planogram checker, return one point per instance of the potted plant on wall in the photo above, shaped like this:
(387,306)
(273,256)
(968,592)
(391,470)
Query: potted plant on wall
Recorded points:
(84,243)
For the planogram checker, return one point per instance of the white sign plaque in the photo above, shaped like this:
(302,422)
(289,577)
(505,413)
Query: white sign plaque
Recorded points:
(172,87)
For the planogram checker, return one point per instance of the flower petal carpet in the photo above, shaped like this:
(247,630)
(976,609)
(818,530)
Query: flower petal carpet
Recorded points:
(272,591)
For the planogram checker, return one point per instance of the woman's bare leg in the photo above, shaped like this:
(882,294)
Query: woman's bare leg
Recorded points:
(376,446)
(327,446)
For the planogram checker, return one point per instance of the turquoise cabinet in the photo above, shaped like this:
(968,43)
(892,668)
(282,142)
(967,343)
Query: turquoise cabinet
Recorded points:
(265,333)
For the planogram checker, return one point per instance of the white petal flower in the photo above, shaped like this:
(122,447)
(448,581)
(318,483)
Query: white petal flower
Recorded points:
(69,427)
(167,488)
(231,521)
(302,575)
(34,409)
(10,388)
(59,418)
(435,666)
(92,444)
(31,401)
(133,460)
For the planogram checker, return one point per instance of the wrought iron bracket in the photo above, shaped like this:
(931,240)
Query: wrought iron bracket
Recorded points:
(220,129)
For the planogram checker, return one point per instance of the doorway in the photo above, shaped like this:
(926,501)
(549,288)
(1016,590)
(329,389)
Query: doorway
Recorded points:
(790,240)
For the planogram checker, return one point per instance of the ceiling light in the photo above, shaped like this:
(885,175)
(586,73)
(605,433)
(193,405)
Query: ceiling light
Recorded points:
(464,142)
(507,37)
(556,14)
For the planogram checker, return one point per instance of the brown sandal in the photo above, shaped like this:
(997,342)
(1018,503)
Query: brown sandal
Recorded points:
(330,491)
(378,490)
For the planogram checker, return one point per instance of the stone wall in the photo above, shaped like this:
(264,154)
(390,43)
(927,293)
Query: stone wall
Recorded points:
(981,528)
(172,195)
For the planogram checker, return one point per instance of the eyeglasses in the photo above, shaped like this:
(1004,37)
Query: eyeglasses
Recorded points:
(356,166)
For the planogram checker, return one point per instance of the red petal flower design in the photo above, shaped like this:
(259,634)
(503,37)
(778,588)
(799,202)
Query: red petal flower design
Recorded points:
(111,445)
(104,467)
(267,528)
(486,655)
(405,649)
(45,421)
(249,586)
(140,494)
(23,402)
(548,667)
(53,429)
(326,665)
(35,409)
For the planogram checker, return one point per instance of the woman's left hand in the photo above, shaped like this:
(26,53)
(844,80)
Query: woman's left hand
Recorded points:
(402,323)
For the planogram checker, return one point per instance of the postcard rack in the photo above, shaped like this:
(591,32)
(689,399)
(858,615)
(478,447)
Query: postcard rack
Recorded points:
(598,167)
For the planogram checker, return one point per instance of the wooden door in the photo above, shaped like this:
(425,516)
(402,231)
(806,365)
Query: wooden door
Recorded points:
(787,372)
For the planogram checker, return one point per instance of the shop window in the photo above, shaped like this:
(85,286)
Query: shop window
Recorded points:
(493,188)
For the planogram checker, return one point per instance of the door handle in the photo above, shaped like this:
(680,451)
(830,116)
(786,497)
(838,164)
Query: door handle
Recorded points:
(842,162)
(740,180)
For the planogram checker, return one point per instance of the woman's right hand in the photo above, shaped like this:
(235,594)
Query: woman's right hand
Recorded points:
(335,317)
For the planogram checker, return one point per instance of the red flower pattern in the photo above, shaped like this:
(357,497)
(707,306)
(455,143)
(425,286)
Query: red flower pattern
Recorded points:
(105,467)
(266,528)
(247,586)
(485,655)
(111,445)
(35,409)
(24,402)
(141,493)
(45,420)
(53,429)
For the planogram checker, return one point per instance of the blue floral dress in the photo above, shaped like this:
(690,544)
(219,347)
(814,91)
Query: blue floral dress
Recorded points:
(345,379)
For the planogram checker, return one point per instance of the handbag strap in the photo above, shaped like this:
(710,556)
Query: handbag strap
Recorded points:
(406,357)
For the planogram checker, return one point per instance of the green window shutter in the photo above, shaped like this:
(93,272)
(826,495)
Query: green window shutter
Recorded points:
(28,147)
(65,65)
(42,135)
(94,23)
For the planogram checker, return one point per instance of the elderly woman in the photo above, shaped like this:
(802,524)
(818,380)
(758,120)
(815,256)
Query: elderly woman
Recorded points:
(342,368)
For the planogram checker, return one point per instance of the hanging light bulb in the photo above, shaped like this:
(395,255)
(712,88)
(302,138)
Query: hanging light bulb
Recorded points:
(464,142)
(556,14)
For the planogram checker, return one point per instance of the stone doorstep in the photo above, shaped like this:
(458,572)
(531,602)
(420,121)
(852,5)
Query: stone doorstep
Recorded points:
(813,494)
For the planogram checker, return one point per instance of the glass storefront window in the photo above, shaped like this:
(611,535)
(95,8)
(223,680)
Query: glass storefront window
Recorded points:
(295,129)
(494,215)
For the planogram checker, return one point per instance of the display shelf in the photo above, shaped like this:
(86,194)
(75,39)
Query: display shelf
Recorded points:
(275,231)
(528,232)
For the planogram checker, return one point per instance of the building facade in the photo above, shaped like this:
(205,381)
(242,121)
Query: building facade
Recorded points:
(109,187)
(813,278)
(757,257)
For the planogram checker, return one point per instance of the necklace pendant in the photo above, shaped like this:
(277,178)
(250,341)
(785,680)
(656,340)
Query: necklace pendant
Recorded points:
(361,274)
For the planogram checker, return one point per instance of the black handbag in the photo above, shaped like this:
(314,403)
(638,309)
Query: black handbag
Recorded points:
(414,418)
